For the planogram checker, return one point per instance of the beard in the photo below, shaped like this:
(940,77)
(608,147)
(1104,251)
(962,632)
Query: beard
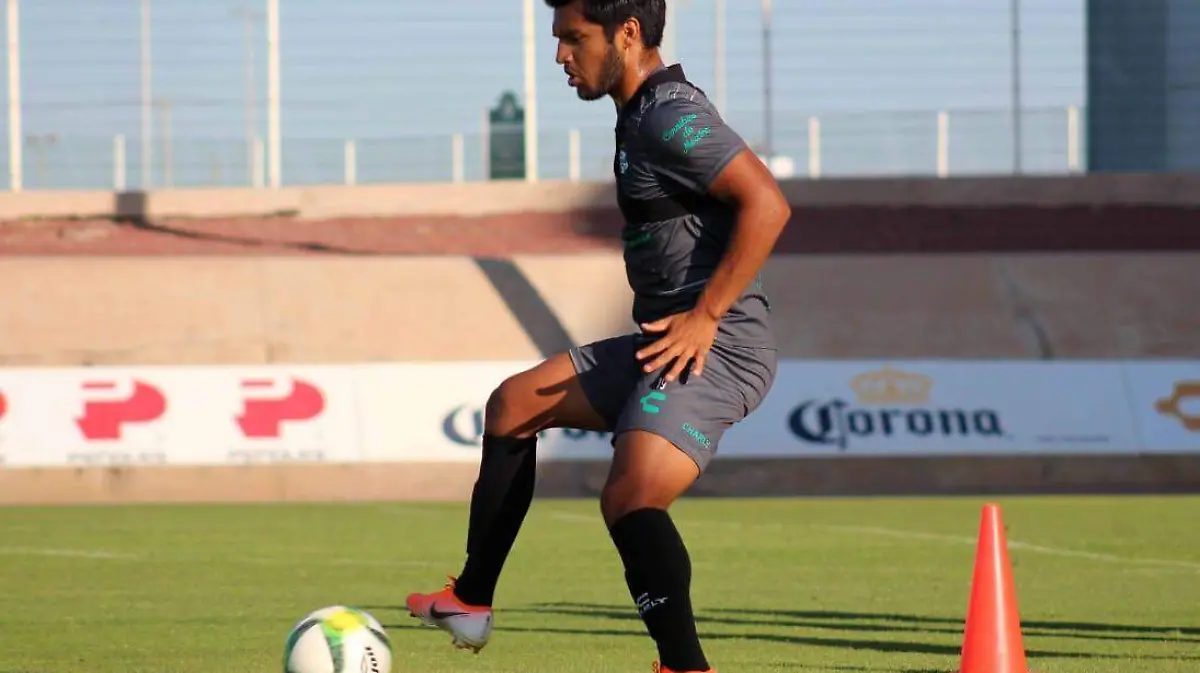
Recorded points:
(610,76)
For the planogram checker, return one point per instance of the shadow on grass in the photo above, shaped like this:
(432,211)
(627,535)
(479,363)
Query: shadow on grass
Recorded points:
(868,669)
(879,646)
(842,621)
(853,621)
(885,622)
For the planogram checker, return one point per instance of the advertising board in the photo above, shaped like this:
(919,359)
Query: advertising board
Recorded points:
(434,412)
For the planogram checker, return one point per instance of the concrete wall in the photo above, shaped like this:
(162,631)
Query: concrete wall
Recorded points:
(197,310)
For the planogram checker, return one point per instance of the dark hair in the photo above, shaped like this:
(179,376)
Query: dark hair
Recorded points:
(610,14)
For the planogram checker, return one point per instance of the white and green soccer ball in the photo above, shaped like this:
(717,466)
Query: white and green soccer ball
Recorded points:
(337,639)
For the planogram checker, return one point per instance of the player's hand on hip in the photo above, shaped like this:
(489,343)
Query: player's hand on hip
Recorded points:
(686,338)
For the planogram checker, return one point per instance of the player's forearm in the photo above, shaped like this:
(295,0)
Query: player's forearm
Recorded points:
(758,226)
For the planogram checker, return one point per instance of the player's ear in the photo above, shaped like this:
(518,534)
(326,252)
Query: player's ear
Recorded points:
(629,33)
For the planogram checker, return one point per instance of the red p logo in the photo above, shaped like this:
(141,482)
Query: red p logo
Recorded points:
(262,416)
(103,419)
(3,405)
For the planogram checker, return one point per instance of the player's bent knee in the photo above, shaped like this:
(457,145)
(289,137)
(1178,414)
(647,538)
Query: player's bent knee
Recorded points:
(516,408)
(505,414)
(616,502)
(546,396)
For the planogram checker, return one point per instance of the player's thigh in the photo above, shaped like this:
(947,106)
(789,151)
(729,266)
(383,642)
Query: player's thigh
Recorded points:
(664,440)
(546,395)
(668,432)
(582,388)
(647,471)
(692,414)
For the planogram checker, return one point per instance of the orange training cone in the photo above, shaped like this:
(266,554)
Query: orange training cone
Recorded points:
(992,641)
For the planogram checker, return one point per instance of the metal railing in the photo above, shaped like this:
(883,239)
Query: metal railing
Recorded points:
(154,93)
(933,143)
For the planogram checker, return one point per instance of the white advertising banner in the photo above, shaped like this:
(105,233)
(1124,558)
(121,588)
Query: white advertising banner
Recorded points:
(856,408)
(433,412)
(17,418)
(1165,401)
(178,416)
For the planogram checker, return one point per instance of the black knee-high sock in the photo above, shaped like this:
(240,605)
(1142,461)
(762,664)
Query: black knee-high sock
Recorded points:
(659,574)
(499,502)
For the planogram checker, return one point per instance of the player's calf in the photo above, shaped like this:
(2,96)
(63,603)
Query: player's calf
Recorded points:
(648,475)
(547,395)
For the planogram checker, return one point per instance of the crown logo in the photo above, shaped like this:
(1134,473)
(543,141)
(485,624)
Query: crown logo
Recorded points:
(891,386)
(1173,405)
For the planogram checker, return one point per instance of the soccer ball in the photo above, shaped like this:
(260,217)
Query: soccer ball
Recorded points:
(337,639)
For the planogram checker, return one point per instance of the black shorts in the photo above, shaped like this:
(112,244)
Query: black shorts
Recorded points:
(693,412)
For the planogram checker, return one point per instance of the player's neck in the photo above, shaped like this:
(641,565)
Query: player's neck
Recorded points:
(635,75)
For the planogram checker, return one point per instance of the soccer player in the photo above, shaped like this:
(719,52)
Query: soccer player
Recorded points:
(702,214)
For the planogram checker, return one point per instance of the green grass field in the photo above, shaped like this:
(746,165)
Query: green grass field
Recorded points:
(1105,584)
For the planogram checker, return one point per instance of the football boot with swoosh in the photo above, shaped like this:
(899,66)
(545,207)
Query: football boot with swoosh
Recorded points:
(470,626)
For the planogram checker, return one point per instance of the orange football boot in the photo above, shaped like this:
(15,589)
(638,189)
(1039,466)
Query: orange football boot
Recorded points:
(470,626)
(659,668)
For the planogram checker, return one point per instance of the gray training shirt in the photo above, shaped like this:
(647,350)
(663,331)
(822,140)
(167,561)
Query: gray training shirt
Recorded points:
(670,145)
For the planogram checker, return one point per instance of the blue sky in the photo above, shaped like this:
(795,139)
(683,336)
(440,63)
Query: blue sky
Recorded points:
(402,77)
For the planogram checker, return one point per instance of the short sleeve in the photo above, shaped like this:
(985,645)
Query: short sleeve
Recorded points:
(689,142)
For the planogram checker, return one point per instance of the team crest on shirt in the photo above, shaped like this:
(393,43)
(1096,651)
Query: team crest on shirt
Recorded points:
(622,161)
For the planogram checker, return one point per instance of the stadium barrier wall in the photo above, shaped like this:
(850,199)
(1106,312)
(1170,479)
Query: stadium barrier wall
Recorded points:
(1095,267)
(498,197)
(412,431)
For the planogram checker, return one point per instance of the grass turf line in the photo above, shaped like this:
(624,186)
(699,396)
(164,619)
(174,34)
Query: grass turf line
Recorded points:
(1105,584)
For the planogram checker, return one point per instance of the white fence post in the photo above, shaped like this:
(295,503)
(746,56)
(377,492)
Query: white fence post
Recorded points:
(814,147)
(486,145)
(943,144)
(119,162)
(257,177)
(531,101)
(573,159)
(274,102)
(1073,139)
(351,153)
(456,157)
(16,159)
